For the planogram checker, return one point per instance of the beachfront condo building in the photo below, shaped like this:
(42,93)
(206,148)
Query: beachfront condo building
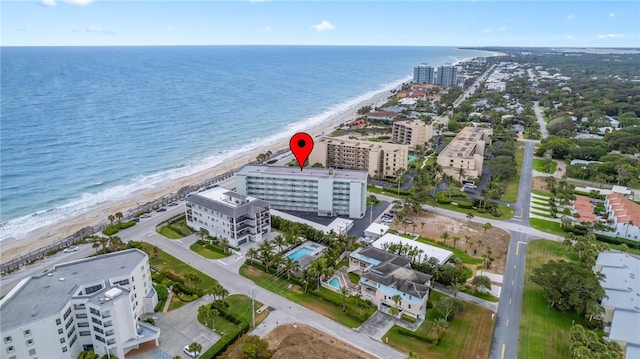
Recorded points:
(325,192)
(411,132)
(88,304)
(423,74)
(463,157)
(226,214)
(384,275)
(377,158)
(447,76)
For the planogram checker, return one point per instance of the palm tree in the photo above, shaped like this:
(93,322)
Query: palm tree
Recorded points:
(441,327)
(96,245)
(111,218)
(344,292)
(461,174)
(393,311)
(455,240)
(224,243)
(397,299)
(155,252)
(486,227)
(119,217)
(205,313)
(456,287)
(422,226)
(445,236)
(195,347)
(252,253)
(103,242)
(481,281)
(203,233)
(470,216)
(279,241)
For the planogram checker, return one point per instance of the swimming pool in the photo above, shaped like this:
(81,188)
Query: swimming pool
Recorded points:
(299,253)
(412,158)
(335,282)
(314,245)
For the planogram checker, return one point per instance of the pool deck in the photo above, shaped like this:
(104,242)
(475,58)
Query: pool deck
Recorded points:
(315,248)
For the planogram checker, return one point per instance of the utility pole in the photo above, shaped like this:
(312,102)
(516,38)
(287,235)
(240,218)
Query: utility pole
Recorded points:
(253,307)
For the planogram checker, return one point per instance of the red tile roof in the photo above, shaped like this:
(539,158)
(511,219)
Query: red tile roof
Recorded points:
(624,209)
(583,206)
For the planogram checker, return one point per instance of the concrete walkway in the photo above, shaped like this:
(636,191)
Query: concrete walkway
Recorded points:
(492,306)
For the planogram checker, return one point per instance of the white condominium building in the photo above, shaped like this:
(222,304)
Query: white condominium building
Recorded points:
(464,155)
(423,74)
(377,158)
(327,192)
(89,304)
(230,215)
(447,76)
(411,132)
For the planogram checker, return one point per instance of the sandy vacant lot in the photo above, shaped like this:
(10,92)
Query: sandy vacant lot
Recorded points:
(297,341)
(472,236)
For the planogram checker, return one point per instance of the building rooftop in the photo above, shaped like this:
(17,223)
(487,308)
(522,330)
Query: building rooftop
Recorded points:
(622,280)
(228,203)
(362,144)
(624,209)
(41,296)
(625,327)
(464,144)
(442,255)
(307,173)
(584,208)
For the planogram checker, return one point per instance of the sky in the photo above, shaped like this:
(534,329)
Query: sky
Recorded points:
(356,22)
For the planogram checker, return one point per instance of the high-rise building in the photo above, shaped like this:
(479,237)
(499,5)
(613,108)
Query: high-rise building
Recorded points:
(326,192)
(447,76)
(88,304)
(377,158)
(423,74)
(411,132)
(226,214)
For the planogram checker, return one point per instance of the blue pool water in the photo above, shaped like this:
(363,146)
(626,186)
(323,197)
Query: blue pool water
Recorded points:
(412,158)
(299,253)
(335,282)
(314,246)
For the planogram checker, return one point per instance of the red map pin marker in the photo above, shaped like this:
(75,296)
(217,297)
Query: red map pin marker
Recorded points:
(301,145)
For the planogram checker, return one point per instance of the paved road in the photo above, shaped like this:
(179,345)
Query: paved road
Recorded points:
(521,206)
(541,122)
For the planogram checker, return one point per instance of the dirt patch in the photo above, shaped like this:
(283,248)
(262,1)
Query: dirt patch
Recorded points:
(538,183)
(302,341)
(473,239)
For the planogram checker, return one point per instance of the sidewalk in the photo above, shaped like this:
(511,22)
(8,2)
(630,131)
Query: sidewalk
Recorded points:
(467,298)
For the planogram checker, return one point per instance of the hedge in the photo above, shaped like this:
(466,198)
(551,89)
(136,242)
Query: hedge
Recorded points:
(466,205)
(408,318)
(444,200)
(222,345)
(187,298)
(416,335)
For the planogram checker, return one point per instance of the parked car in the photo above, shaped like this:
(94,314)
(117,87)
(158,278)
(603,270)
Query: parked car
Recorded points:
(190,353)
(161,209)
(71,249)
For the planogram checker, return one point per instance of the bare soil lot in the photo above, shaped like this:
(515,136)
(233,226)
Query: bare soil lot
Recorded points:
(472,236)
(303,341)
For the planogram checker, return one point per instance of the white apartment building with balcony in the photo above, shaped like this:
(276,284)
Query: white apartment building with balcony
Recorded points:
(226,214)
(377,158)
(326,192)
(88,304)
(411,132)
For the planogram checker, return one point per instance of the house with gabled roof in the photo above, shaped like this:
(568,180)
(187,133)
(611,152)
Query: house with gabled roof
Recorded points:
(384,275)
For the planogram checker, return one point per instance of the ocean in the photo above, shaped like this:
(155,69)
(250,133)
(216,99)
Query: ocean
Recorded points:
(85,125)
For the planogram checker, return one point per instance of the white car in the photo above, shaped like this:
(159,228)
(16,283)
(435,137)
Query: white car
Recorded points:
(71,249)
(189,353)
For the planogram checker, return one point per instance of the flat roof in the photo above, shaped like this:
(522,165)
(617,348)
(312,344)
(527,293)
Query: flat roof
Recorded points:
(337,225)
(42,296)
(624,326)
(465,142)
(622,280)
(306,173)
(376,227)
(442,255)
(362,144)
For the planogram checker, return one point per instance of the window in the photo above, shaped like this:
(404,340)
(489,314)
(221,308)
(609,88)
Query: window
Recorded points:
(99,338)
(32,352)
(60,331)
(92,289)
(58,321)
(64,349)
(81,315)
(83,325)
(29,342)
(71,331)
(66,314)
(62,340)
(66,326)
(78,306)
(85,333)
(73,341)
(98,330)
(96,321)
(10,349)
(27,332)
(7,339)
(409,306)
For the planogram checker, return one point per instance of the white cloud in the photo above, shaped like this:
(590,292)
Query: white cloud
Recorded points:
(78,2)
(612,14)
(265,29)
(487,30)
(48,2)
(571,17)
(610,36)
(323,26)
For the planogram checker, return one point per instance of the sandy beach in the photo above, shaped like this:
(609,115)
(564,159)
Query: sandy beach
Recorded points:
(11,248)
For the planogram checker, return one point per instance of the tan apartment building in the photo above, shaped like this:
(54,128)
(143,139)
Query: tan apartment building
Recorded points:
(465,151)
(411,132)
(374,157)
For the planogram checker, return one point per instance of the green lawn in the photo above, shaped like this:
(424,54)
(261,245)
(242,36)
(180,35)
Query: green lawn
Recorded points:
(166,262)
(206,252)
(538,165)
(377,190)
(354,278)
(506,211)
(542,214)
(511,190)
(468,335)
(544,332)
(547,226)
(466,258)
(169,232)
(295,293)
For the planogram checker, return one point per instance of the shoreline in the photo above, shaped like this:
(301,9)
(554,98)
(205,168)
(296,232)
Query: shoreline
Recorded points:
(12,247)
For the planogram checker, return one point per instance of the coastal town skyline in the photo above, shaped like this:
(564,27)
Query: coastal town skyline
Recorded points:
(432,23)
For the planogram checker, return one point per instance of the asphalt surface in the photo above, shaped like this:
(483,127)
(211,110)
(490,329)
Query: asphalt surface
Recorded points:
(543,125)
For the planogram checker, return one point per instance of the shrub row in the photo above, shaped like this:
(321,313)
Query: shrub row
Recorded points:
(419,336)
(408,318)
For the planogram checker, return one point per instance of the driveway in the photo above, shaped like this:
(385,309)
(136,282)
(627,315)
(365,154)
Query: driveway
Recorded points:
(179,328)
